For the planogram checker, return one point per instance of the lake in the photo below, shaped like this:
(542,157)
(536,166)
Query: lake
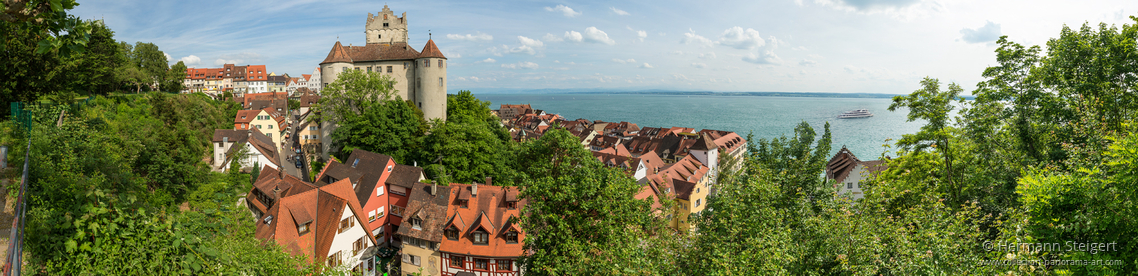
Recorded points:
(766,117)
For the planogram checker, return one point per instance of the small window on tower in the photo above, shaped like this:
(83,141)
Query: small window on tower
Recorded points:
(385,24)
(379,36)
(427,63)
(440,82)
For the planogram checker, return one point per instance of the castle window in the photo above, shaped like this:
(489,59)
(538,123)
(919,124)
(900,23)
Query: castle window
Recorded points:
(379,36)
(441,63)
(404,65)
(384,24)
(440,82)
(369,69)
(427,63)
(389,69)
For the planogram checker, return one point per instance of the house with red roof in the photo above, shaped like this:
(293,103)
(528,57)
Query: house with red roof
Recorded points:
(481,234)
(381,187)
(325,223)
(259,149)
(271,122)
(847,171)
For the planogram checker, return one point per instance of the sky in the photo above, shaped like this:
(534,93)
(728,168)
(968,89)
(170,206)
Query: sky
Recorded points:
(845,46)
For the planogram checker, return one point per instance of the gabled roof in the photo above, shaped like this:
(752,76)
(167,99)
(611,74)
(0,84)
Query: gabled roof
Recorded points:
(405,176)
(245,116)
(844,162)
(431,51)
(488,210)
(258,140)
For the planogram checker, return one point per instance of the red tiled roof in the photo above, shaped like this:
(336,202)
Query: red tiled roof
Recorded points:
(245,116)
(431,51)
(487,209)
(370,52)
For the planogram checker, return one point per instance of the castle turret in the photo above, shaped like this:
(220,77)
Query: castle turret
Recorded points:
(431,82)
(385,28)
(337,62)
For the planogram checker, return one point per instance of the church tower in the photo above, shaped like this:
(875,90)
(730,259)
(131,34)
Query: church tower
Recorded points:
(385,28)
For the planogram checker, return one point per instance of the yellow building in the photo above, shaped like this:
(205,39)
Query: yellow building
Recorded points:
(269,121)
(686,183)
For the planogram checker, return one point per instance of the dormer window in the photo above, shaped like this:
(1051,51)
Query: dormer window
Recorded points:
(512,236)
(417,223)
(356,162)
(451,233)
(302,229)
(389,167)
(481,237)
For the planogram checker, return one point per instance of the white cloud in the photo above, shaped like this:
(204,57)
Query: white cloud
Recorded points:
(766,57)
(690,37)
(478,36)
(552,38)
(191,60)
(642,35)
(567,11)
(573,36)
(618,11)
(807,62)
(868,5)
(488,60)
(799,48)
(226,61)
(521,65)
(623,61)
(592,34)
(168,58)
(699,65)
(530,42)
(707,55)
(460,78)
(677,52)
(813,56)
(990,32)
(741,39)
(645,66)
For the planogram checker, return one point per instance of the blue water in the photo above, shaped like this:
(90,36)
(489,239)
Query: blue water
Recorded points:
(766,117)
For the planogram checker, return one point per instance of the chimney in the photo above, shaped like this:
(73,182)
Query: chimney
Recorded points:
(474,188)
(277,192)
(489,181)
(434,188)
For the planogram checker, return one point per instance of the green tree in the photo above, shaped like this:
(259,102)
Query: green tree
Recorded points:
(48,21)
(394,128)
(151,62)
(351,93)
(174,77)
(933,106)
(581,217)
(468,152)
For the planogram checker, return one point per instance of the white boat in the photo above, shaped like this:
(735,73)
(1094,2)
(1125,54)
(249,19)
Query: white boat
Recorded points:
(860,113)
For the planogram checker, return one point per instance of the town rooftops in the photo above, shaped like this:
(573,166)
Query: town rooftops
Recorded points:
(318,207)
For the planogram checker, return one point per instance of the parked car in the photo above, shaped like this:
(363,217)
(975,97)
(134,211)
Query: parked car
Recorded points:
(299,163)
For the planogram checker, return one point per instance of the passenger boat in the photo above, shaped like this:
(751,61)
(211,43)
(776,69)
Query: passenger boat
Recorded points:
(860,113)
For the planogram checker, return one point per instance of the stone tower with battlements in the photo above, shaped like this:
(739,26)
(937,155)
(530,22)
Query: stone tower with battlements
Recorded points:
(385,27)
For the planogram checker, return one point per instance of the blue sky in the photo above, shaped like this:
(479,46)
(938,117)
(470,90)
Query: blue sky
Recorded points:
(875,46)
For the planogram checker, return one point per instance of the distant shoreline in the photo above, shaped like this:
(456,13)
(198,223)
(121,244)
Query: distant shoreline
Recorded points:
(759,94)
(709,93)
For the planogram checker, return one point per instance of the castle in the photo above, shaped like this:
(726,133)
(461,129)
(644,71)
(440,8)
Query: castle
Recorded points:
(420,77)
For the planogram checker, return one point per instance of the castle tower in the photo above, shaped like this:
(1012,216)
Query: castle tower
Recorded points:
(385,28)
(337,62)
(431,82)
